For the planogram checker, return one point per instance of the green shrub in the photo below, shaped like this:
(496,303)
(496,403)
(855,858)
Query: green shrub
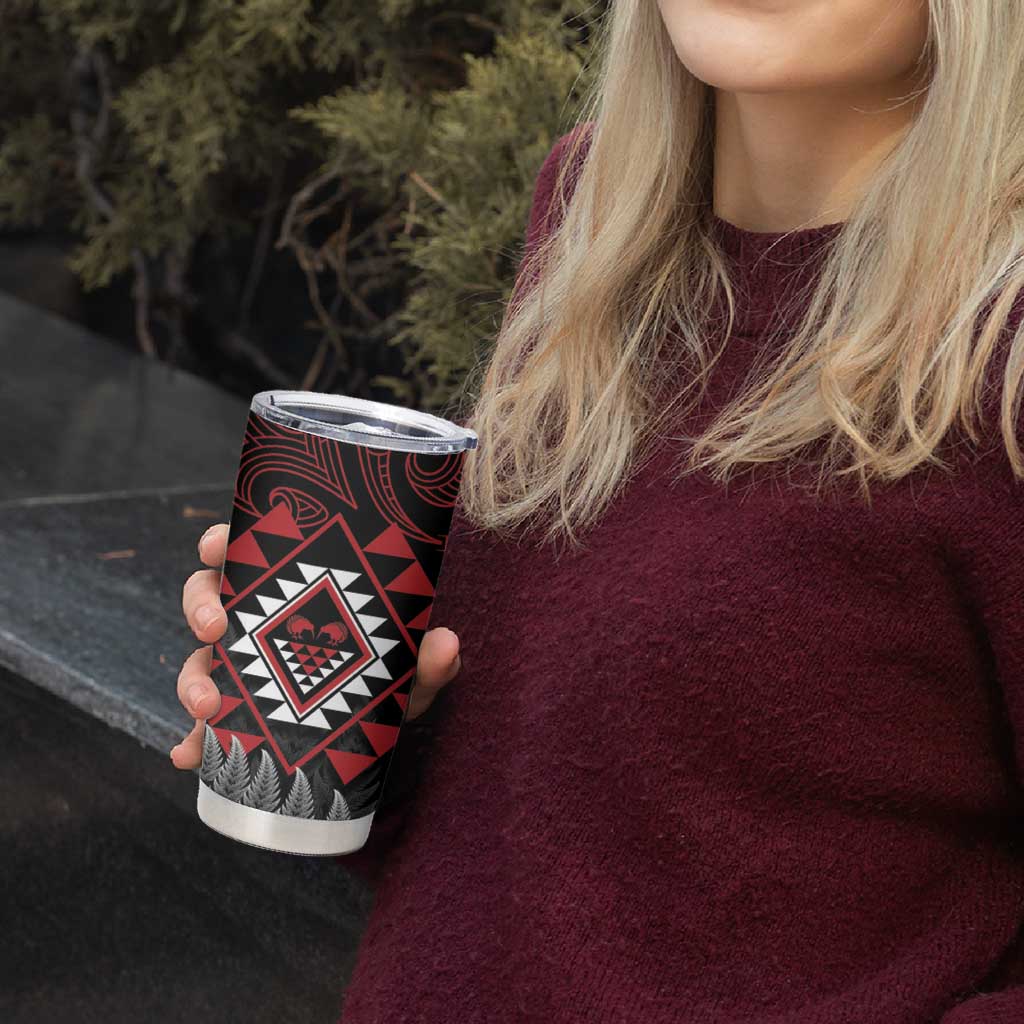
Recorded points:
(352,177)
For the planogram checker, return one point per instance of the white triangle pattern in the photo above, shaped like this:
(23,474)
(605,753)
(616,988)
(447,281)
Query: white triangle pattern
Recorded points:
(283,714)
(345,579)
(337,703)
(356,600)
(249,622)
(271,691)
(290,589)
(356,686)
(258,668)
(270,604)
(382,646)
(245,646)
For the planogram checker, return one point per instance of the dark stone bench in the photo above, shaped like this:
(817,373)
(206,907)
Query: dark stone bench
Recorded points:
(111,467)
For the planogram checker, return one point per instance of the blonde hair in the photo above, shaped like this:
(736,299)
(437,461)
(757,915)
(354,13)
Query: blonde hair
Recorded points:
(889,354)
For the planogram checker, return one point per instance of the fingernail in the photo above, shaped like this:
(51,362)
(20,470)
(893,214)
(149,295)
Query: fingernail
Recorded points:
(196,696)
(205,616)
(209,530)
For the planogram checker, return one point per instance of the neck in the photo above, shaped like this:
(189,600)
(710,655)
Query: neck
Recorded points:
(791,160)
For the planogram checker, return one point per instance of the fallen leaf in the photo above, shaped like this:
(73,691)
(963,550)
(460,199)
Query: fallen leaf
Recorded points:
(191,512)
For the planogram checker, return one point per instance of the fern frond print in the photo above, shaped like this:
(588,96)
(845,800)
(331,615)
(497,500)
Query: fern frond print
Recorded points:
(213,756)
(300,798)
(233,778)
(264,792)
(340,810)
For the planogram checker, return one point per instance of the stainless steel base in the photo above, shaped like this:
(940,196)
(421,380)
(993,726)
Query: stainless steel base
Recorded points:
(281,832)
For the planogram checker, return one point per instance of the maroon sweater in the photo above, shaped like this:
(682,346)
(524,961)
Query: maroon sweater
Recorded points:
(750,757)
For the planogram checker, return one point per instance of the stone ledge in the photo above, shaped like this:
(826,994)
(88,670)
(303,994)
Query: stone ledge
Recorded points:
(112,466)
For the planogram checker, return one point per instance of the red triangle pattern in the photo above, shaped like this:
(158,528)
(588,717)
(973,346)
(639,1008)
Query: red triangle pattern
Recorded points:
(402,698)
(227,705)
(245,550)
(391,542)
(248,741)
(279,522)
(225,587)
(412,580)
(309,664)
(382,737)
(347,764)
(422,620)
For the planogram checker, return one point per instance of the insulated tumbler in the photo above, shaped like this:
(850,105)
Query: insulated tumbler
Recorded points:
(340,519)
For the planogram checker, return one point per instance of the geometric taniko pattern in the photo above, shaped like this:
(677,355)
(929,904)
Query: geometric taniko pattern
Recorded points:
(328,584)
(313,645)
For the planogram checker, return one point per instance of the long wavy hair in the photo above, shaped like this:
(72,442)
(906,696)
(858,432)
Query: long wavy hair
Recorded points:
(890,352)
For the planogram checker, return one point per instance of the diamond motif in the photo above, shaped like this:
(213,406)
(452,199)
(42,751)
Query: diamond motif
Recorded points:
(314,644)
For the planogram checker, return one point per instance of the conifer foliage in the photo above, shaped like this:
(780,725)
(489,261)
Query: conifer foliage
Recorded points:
(351,177)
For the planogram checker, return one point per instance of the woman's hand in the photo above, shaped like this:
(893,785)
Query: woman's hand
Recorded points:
(437,665)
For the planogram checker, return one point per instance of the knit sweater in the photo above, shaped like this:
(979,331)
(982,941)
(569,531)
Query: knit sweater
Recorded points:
(751,756)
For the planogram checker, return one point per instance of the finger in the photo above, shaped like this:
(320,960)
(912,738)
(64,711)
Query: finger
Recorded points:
(189,752)
(200,601)
(438,664)
(197,692)
(438,659)
(213,545)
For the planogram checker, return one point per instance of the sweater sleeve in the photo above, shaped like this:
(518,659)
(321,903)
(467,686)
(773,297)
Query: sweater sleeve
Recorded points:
(415,737)
(990,556)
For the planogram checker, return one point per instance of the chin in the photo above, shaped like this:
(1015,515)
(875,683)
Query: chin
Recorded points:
(735,68)
(762,46)
(751,75)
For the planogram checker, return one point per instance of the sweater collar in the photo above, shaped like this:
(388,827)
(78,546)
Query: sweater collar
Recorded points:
(767,266)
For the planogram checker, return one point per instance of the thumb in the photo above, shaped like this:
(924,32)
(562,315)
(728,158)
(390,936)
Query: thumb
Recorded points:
(439,663)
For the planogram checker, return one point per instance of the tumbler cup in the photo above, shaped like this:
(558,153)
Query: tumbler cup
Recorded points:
(340,518)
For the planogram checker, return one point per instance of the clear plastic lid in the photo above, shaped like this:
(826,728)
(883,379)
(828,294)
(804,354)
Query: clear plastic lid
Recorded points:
(360,421)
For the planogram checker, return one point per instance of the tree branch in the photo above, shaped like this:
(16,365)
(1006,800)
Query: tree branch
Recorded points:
(87,145)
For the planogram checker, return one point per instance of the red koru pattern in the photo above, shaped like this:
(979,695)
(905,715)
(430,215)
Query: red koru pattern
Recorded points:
(329,581)
(311,476)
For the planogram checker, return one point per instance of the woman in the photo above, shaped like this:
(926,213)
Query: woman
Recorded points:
(734,754)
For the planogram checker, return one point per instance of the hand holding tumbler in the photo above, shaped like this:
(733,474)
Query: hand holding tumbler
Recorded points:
(341,514)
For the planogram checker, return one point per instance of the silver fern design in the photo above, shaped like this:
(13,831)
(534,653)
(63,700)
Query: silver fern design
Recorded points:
(233,778)
(213,757)
(299,803)
(264,792)
(340,811)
